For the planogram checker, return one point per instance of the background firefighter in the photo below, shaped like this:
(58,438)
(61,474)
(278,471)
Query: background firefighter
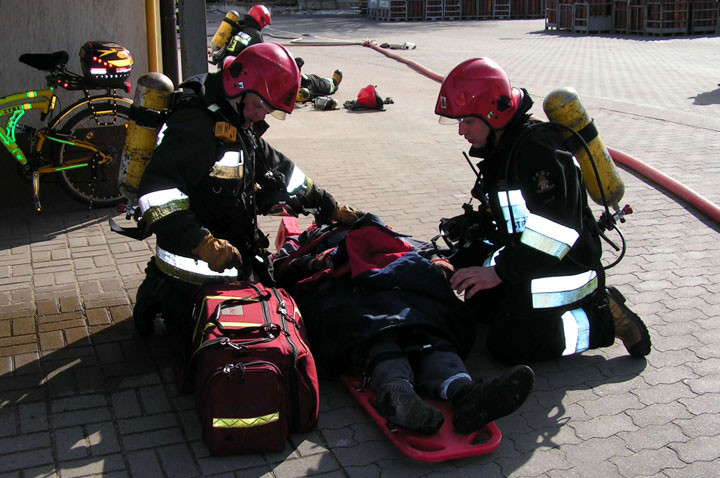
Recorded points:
(209,177)
(533,270)
(236,33)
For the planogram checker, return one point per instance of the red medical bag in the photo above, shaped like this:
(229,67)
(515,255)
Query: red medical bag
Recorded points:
(255,379)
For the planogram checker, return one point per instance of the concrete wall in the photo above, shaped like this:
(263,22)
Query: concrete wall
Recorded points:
(41,26)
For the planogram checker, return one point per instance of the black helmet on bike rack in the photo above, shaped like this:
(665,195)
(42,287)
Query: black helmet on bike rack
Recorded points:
(105,64)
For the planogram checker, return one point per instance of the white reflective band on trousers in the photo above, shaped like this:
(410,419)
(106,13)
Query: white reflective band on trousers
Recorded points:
(548,292)
(547,236)
(577,331)
(191,270)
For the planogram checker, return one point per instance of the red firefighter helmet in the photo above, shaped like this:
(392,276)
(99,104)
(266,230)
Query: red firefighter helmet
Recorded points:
(266,69)
(478,87)
(261,14)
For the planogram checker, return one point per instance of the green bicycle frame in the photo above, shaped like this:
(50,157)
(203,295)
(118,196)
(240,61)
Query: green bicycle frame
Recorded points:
(16,105)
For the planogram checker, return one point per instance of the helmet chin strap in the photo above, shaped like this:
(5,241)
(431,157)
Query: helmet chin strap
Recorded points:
(236,105)
(490,144)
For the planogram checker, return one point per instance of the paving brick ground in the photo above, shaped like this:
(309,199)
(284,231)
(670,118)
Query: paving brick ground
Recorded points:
(82,395)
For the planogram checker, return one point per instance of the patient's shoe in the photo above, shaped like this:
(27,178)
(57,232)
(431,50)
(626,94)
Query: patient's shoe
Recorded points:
(628,326)
(303,95)
(476,404)
(337,77)
(403,407)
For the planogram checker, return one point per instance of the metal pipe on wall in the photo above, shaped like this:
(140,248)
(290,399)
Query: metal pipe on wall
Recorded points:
(152,15)
(168,34)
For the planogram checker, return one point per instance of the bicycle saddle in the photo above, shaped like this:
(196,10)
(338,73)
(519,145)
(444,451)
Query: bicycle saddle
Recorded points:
(45,61)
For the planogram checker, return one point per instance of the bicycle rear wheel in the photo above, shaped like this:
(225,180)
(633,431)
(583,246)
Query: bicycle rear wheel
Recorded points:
(97,184)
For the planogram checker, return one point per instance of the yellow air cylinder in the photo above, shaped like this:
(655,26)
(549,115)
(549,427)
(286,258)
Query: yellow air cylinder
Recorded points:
(563,106)
(152,95)
(225,30)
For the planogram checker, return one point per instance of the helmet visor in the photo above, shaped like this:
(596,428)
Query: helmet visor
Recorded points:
(448,121)
(256,102)
(278,114)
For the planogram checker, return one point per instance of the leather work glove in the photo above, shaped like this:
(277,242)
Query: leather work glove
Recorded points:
(325,204)
(347,214)
(218,253)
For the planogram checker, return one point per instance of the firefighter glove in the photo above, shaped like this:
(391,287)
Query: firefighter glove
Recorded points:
(347,214)
(218,253)
(325,204)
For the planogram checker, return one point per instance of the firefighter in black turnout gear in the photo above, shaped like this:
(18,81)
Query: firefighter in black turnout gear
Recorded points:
(211,174)
(235,33)
(529,256)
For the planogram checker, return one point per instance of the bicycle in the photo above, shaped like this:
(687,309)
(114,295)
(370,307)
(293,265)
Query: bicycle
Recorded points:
(83,143)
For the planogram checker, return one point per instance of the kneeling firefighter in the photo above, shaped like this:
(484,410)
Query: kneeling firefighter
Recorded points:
(529,260)
(211,174)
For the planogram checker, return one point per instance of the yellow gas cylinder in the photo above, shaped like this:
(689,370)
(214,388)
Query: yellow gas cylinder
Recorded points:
(563,106)
(152,96)
(225,30)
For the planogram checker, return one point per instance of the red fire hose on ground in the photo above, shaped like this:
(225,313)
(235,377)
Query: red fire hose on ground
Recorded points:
(697,201)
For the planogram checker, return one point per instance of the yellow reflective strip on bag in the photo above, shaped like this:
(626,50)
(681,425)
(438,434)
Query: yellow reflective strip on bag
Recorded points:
(245,422)
(228,297)
(239,324)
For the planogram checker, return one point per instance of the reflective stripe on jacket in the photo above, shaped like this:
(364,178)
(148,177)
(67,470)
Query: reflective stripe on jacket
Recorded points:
(188,269)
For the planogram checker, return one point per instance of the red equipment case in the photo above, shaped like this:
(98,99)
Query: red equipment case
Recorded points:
(255,379)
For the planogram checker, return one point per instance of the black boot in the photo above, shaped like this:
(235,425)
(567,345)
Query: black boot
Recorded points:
(403,407)
(147,305)
(628,326)
(476,404)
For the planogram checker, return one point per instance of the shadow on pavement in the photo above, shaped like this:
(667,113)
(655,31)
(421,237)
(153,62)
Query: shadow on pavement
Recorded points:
(707,98)
(108,400)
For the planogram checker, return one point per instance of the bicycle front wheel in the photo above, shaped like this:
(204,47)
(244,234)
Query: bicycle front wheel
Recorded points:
(105,127)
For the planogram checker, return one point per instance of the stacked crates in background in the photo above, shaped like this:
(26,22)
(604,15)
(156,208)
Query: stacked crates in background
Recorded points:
(387,10)
(416,9)
(408,10)
(433,9)
(666,17)
(638,17)
(478,9)
(551,15)
(593,16)
(589,16)
(452,9)
(501,9)
(534,8)
(703,16)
